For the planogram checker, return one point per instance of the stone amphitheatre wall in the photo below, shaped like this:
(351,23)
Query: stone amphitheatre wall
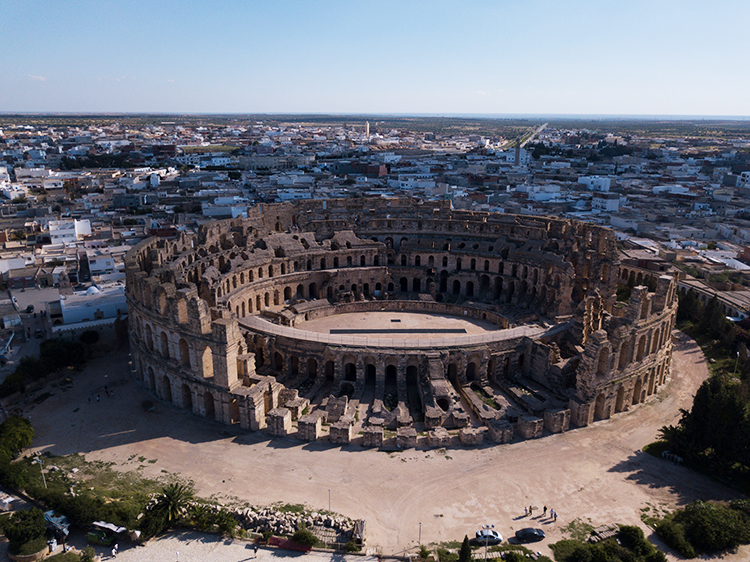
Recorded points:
(207,311)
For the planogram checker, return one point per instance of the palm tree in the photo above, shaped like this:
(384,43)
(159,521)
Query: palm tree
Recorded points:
(172,504)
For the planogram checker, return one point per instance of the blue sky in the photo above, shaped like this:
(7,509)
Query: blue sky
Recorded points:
(494,57)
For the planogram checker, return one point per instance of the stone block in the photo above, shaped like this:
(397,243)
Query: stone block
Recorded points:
(433,417)
(279,422)
(530,427)
(372,436)
(342,431)
(471,436)
(557,421)
(500,431)
(296,406)
(460,418)
(336,408)
(438,437)
(309,427)
(406,437)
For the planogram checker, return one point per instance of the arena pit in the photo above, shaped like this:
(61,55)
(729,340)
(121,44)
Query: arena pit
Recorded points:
(342,323)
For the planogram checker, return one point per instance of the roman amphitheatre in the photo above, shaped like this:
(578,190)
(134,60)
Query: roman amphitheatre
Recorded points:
(425,369)
(395,323)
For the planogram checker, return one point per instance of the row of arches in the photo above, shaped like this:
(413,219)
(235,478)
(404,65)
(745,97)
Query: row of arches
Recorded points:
(159,341)
(630,393)
(635,348)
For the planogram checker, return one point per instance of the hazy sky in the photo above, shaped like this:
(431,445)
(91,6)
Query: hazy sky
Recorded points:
(503,56)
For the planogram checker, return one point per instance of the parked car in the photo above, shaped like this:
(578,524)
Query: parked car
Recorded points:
(529,534)
(30,309)
(38,334)
(487,537)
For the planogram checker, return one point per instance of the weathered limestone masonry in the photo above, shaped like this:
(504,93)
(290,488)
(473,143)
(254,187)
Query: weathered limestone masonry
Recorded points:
(217,323)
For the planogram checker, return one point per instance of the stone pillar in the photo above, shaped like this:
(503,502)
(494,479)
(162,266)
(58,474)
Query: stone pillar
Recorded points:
(227,336)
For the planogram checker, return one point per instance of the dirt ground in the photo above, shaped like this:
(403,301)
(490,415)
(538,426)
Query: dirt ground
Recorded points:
(596,474)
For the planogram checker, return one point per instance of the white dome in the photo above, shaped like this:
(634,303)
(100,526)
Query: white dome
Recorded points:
(92,291)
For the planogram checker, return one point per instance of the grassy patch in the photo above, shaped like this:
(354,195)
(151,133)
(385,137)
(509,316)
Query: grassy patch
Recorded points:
(656,448)
(578,529)
(291,508)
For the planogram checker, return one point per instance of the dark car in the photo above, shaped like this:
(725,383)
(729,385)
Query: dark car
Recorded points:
(30,309)
(487,537)
(529,534)
(39,334)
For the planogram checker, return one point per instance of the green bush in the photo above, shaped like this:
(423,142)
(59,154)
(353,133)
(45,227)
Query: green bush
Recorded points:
(88,554)
(674,535)
(351,547)
(632,538)
(32,547)
(303,537)
(23,527)
(712,527)
(464,554)
(16,434)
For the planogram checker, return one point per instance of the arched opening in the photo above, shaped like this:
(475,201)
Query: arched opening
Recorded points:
(234,411)
(300,292)
(335,262)
(620,401)
(166,388)
(278,362)
(187,397)
(366,290)
(287,293)
(403,260)
(623,360)
(404,283)
(149,337)
(390,397)
(184,353)
(470,289)
(458,264)
(208,401)
(416,285)
(313,290)
(329,370)
(641,348)
(151,381)
(207,362)
(312,368)
(347,389)
(443,403)
(362,261)
(417,260)
(453,373)
(471,372)
(413,394)
(602,364)
(267,300)
(294,365)
(457,287)
(637,391)
(350,372)
(599,408)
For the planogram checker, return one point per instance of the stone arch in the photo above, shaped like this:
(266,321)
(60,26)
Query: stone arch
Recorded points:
(287,293)
(312,368)
(164,345)
(641,348)
(166,388)
(151,379)
(470,289)
(207,361)
(620,400)
(602,365)
(208,404)
(456,287)
(623,359)
(187,397)
(184,353)
(149,337)
(600,408)
(637,391)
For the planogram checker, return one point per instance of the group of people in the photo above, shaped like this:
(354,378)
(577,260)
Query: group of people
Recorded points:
(529,511)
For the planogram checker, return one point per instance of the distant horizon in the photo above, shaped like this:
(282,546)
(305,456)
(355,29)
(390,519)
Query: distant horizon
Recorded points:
(672,59)
(539,116)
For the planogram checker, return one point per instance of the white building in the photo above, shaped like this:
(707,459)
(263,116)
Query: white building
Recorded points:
(595,183)
(95,303)
(606,202)
(68,231)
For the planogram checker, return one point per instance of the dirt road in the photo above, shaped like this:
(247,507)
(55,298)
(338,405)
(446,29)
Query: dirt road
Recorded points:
(597,473)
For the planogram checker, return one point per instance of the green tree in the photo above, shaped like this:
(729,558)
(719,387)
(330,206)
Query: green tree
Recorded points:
(169,508)
(304,537)
(464,554)
(24,526)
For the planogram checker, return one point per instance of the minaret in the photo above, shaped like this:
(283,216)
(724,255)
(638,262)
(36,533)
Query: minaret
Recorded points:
(367,130)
